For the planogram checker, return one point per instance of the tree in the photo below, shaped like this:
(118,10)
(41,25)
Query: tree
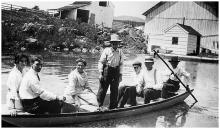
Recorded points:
(36,7)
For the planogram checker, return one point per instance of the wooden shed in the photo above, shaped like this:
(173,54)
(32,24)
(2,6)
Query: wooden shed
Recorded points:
(202,16)
(182,39)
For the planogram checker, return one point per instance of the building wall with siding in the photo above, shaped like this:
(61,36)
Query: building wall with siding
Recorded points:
(165,40)
(195,15)
(181,47)
(192,42)
(103,15)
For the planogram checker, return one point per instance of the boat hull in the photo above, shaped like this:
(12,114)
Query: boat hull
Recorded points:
(27,120)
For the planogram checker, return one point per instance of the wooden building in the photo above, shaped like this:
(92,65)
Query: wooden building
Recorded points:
(178,38)
(201,16)
(93,12)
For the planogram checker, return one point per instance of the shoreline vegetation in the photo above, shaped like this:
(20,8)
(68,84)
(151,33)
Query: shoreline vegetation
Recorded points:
(34,33)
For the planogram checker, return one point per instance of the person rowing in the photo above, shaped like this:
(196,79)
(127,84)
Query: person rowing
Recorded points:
(171,86)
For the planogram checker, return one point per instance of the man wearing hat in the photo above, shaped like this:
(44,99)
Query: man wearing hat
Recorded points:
(147,85)
(172,84)
(152,83)
(110,67)
(128,89)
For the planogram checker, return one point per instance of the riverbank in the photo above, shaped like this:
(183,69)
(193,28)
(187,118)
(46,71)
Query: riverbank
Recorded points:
(47,54)
(192,58)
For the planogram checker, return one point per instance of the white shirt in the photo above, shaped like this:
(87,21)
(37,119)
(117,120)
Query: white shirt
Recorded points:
(13,83)
(137,80)
(152,79)
(77,84)
(30,87)
(113,57)
(180,72)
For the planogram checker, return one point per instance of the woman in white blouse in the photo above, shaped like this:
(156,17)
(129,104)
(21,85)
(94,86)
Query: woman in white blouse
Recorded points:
(13,83)
(78,91)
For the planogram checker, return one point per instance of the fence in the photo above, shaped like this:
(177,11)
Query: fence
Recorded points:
(10,7)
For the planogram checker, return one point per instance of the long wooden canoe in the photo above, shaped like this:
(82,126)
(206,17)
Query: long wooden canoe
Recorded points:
(44,120)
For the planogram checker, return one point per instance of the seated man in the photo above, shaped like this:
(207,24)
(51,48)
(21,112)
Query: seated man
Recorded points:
(34,98)
(147,85)
(172,84)
(128,90)
(152,82)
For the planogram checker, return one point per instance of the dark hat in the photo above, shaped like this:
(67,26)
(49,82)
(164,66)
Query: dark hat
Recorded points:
(174,59)
(115,38)
(106,43)
(137,63)
(149,59)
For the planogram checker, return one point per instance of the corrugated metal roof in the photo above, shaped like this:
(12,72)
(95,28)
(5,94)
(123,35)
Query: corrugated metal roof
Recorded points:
(70,7)
(75,5)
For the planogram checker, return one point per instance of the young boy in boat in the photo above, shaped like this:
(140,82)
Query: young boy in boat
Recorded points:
(13,83)
(110,68)
(78,92)
(34,98)
(146,86)
(172,84)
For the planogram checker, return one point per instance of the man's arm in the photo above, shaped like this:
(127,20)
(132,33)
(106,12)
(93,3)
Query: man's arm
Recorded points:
(36,88)
(102,61)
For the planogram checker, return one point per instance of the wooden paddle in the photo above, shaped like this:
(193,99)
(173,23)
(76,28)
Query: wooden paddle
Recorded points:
(87,101)
(186,87)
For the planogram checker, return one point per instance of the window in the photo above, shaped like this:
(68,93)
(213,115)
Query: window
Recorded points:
(103,3)
(175,40)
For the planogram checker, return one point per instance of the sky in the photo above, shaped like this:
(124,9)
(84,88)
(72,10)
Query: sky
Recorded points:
(122,8)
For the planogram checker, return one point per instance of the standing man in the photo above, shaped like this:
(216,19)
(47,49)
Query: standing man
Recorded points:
(34,99)
(110,67)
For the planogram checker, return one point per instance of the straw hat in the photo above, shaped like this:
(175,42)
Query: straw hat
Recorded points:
(148,59)
(115,38)
(174,59)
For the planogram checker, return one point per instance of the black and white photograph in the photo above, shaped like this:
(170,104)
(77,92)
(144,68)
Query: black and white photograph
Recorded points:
(109,64)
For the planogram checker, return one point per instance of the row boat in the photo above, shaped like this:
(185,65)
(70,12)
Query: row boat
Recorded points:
(50,120)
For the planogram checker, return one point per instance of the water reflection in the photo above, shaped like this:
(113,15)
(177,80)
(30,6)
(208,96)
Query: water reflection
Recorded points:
(204,80)
(171,117)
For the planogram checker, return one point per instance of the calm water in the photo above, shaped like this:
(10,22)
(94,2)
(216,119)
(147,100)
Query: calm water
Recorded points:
(204,79)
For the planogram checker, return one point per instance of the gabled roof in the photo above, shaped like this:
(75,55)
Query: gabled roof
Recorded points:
(75,5)
(185,28)
(213,4)
(153,8)
(81,2)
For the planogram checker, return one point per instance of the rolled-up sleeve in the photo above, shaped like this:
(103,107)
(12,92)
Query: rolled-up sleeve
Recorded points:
(186,76)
